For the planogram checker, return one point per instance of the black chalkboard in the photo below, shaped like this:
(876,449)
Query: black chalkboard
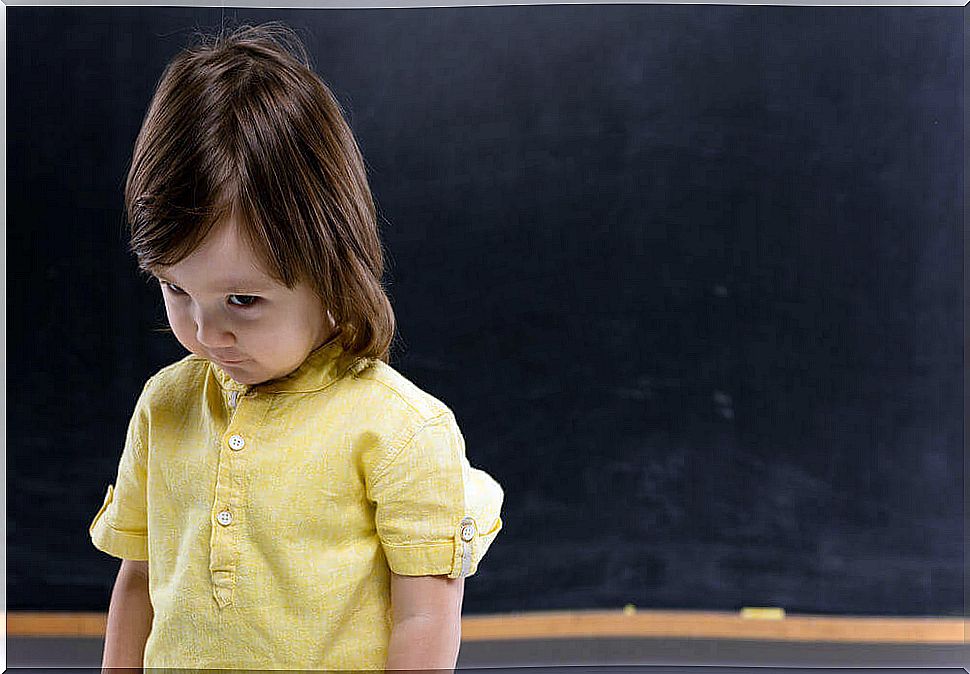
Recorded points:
(690,277)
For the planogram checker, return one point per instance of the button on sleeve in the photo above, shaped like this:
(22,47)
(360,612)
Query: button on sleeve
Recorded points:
(435,514)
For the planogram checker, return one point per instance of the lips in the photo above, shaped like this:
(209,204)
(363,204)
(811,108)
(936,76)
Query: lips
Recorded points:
(223,361)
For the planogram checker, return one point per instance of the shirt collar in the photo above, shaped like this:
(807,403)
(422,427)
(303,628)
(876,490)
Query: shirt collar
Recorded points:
(322,366)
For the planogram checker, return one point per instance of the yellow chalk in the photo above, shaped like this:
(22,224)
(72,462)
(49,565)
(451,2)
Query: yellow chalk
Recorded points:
(629,609)
(762,613)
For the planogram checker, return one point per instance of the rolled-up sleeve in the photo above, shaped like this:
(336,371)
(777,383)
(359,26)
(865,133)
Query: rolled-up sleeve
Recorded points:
(120,527)
(435,514)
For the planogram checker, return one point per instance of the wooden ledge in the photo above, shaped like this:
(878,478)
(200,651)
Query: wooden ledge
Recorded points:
(611,624)
(713,625)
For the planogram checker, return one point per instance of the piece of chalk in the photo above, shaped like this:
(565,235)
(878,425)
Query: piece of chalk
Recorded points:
(629,609)
(762,613)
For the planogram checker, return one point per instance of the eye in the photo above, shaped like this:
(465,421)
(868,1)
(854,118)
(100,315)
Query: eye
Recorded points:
(172,288)
(247,300)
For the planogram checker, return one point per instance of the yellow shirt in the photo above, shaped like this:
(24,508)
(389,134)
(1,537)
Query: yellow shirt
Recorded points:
(271,515)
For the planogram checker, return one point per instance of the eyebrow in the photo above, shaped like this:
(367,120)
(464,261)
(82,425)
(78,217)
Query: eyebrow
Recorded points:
(232,285)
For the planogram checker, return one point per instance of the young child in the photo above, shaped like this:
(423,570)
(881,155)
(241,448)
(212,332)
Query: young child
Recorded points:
(284,499)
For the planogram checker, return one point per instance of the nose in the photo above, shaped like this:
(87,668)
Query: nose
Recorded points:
(211,331)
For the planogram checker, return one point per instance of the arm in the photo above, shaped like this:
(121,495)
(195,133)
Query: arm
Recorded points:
(130,616)
(426,629)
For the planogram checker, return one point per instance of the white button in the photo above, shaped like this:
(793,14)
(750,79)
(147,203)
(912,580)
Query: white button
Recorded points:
(236,442)
(467,529)
(225,518)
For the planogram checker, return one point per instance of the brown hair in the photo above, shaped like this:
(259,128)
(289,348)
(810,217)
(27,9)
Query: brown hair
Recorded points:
(240,124)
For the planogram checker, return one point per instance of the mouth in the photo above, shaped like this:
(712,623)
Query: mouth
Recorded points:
(229,362)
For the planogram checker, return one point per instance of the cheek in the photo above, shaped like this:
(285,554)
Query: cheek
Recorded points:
(278,340)
(181,323)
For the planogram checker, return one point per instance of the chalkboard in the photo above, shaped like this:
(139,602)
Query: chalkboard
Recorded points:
(690,277)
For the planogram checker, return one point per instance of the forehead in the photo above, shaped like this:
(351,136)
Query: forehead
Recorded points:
(223,261)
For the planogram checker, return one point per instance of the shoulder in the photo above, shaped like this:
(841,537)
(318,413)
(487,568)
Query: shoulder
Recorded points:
(161,396)
(408,431)
(171,382)
(391,411)
(190,368)
(396,394)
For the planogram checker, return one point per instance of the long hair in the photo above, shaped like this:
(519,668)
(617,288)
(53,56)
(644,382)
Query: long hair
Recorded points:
(240,124)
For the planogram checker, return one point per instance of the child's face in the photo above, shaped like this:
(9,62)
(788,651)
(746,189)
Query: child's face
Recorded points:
(223,307)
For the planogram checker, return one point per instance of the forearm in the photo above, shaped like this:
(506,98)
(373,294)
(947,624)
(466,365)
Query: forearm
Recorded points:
(421,642)
(130,616)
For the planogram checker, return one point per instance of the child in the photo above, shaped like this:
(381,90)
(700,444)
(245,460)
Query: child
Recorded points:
(284,499)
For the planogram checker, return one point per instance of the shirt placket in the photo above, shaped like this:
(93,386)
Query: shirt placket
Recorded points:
(226,511)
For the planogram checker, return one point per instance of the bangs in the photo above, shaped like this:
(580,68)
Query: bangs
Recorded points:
(241,128)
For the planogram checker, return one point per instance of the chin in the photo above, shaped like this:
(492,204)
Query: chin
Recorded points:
(243,377)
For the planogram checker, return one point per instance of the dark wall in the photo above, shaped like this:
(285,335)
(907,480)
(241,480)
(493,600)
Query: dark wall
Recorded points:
(690,277)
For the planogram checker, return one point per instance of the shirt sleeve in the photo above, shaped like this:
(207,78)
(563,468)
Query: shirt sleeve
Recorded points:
(435,514)
(120,527)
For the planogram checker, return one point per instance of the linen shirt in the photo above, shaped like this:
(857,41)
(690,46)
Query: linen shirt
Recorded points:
(272,514)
